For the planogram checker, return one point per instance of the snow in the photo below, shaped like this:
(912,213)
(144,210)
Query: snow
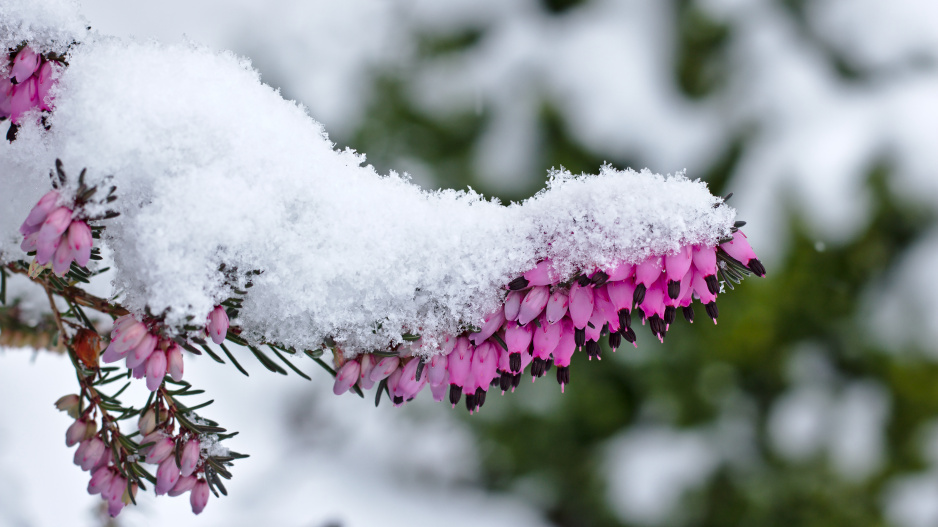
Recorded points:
(53,23)
(213,167)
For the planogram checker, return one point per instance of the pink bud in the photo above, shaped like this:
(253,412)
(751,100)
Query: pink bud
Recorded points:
(701,288)
(128,336)
(189,459)
(542,274)
(25,64)
(50,234)
(459,362)
(142,351)
(545,339)
(603,305)
(110,355)
(393,380)
(620,293)
(89,453)
(217,327)
(653,304)
(705,260)
(677,264)
(163,448)
(484,365)
(61,260)
(114,507)
(156,370)
(513,304)
(346,377)
(79,241)
(567,344)
(581,304)
(167,475)
(30,242)
(198,498)
(24,97)
(492,323)
(620,271)
(439,390)
(367,361)
(40,211)
(76,432)
(182,486)
(437,369)
(44,84)
(384,368)
(174,362)
(147,422)
(557,306)
(595,325)
(534,302)
(116,489)
(100,480)
(648,271)
(517,337)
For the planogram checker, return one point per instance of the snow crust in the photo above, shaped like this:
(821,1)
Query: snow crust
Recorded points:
(50,24)
(213,167)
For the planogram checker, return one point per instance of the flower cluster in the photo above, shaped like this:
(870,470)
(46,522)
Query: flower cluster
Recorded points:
(178,459)
(545,320)
(147,353)
(56,235)
(27,83)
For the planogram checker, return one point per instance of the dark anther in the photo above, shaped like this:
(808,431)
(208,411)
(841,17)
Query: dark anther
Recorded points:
(518,284)
(756,267)
(593,349)
(674,289)
(455,392)
(11,132)
(583,280)
(599,278)
(514,362)
(654,323)
(712,310)
(398,399)
(538,367)
(739,224)
(471,402)
(713,285)
(615,339)
(549,365)
(670,313)
(504,382)
(496,382)
(629,335)
(579,337)
(515,380)
(480,397)
(639,294)
(563,374)
(625,318)
(688,313)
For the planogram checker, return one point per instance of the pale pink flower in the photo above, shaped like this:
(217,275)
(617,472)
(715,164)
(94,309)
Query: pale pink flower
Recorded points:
(198,497)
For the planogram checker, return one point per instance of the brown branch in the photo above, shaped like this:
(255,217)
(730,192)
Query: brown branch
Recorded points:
(79,296)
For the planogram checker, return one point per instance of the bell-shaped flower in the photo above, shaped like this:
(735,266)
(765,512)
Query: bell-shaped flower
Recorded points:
(346,376)
(189,459)
(198,497)
(79,241)
(217,326)
(581,304)
(156,370)
(533,304)
(174,362)
(25,64)
(167,475)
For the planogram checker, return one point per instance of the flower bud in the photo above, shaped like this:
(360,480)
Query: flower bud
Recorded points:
(161,449)
(346,377)
(189,459)
(167,475)
(76,432)
(182,486)
(89,453)
(69,403)
(174,362)
(198,498)
(147,422)
(156,370)
(100,480)
(217,327)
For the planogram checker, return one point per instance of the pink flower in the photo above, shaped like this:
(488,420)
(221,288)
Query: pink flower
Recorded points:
(25,64)
(76,432)
(163,448)
(492,323)
(513,304)
(39,213)
(217,327)
(174,364)
(100,480)
(167,475)
(581,304)
(740,250)
(182,486)
(384,368)
(542,274)
(189,459)
(198,498)
(79,241)
(24,97)
(89,453)
(534,302)
(676,265)
(367,361)
(44,84)
(346,377)
(557,306)
(156,370)
(50,234)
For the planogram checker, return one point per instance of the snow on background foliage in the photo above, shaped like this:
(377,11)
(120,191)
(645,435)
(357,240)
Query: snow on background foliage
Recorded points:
(214,169)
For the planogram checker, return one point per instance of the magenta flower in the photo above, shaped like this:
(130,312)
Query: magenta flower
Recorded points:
(25,64)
